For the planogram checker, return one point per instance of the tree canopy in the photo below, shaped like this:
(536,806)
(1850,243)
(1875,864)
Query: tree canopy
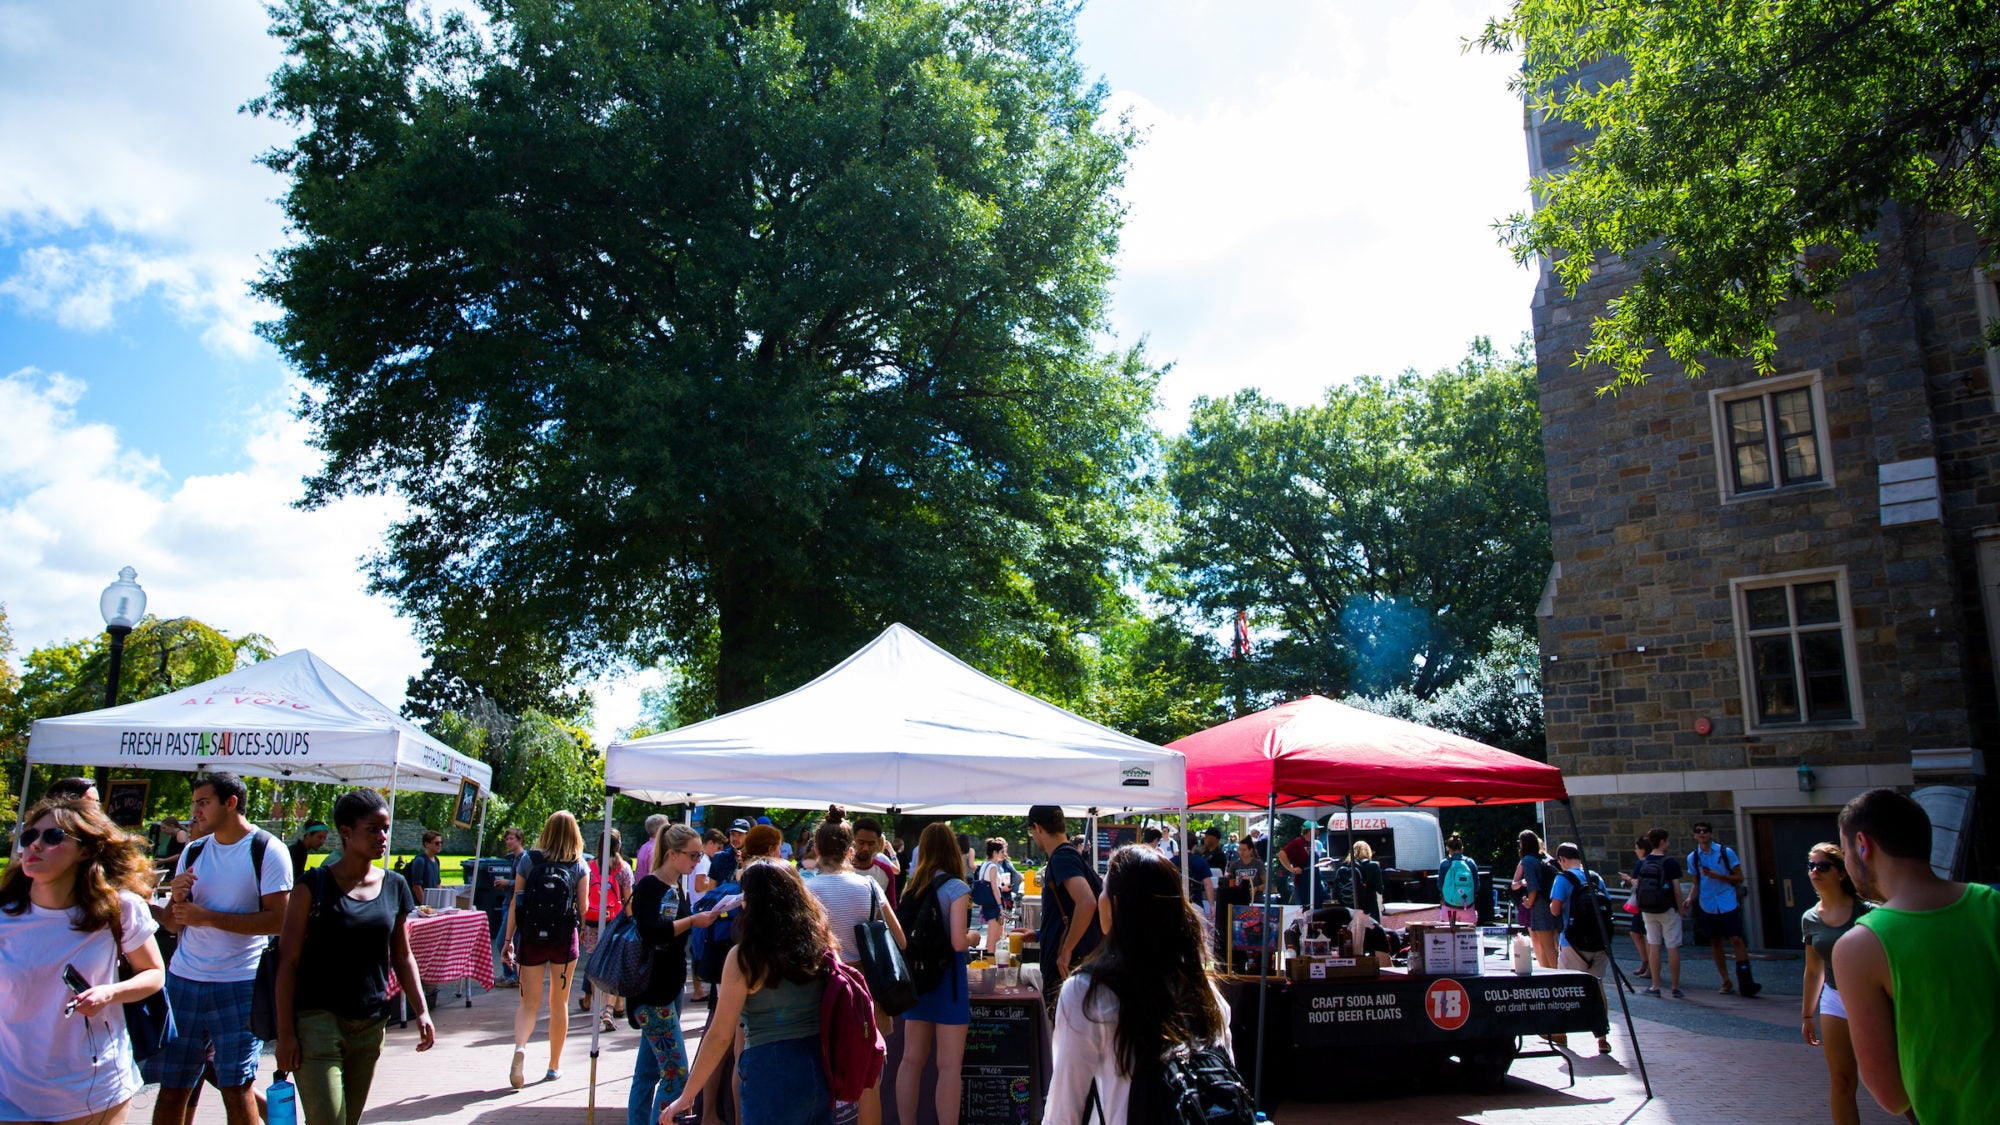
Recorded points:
(1375,539)
(1743,153)
(765,322)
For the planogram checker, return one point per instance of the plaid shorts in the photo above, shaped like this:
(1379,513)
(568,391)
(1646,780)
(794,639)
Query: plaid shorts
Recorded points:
(209,1015)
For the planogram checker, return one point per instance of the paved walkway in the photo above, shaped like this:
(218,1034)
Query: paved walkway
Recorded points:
(1712,1059)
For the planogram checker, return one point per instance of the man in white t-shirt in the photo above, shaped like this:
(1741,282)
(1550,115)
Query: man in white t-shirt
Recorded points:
(229,894)
(868,857)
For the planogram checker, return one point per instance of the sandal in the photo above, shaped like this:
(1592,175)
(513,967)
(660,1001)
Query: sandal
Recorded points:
(604,1021)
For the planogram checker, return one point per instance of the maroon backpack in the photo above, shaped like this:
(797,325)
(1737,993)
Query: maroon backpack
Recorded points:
(850,1045)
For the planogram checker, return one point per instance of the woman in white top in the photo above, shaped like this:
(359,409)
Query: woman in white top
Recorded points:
(70,900)
(850,898)
(1145,990)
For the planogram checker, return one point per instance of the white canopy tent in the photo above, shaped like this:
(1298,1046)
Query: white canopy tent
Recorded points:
(293,716)
(901,724)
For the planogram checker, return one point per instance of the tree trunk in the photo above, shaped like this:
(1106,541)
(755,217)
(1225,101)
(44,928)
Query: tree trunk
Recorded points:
(738,682)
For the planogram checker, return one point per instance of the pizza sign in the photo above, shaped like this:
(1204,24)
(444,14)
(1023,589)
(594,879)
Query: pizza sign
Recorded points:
(1447,1005)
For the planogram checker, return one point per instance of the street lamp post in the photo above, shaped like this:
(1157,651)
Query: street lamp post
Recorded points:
(123,605)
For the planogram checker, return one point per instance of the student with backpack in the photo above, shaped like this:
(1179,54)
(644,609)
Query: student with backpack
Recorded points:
(1533,880)
(229,894)
(1656,889)
(1141,1031)
(989,889)
(776,981)
(665,920)
(935,913)
(1069,900)
(347,927)
(1579,902)
(1458,883)
(598,914)
(549,888)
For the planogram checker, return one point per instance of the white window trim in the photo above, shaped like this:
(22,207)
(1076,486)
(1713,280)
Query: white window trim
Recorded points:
(1746,673)
(1718,418)
(1986,294)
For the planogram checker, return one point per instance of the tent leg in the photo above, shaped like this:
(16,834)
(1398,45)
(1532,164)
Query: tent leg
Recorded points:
(1263,956)
(1183,833)
(603,896)
(391,849)
(1618,981)
(27,775)
(478,852)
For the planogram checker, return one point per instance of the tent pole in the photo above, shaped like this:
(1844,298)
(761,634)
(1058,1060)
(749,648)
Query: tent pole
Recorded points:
(27,775)
(391,849)
(1618,981)
(1354,883)
(1263,955)
(603,897)
(478,852)
(1184,849)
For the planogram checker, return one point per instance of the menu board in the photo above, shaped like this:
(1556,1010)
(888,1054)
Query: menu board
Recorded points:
(999,1075)
(1111,837)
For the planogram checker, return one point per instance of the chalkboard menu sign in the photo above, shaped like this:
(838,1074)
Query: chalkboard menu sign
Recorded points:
(999,1075)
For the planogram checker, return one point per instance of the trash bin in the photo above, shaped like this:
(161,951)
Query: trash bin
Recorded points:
(485,895)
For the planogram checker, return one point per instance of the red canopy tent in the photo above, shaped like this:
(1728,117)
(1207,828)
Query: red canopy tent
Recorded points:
(1315,752)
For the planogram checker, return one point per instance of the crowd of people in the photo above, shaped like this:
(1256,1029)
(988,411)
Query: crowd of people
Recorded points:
(1895,956)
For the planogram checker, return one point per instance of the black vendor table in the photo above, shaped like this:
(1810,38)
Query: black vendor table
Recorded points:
(1330,1036)
(1006,1073)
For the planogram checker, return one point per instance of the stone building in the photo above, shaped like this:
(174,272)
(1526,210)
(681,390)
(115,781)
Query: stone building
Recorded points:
(1770,594)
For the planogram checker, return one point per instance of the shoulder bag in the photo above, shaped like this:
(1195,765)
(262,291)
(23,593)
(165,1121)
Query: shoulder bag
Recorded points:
(149,1022)
(882,963)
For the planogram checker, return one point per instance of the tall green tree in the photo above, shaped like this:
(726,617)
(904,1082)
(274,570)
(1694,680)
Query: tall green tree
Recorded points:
(1375,539)
(1742,153)
(767,320)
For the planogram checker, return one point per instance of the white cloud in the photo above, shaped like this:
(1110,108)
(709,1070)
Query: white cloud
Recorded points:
(126,168)
(1322,206)
(76,503)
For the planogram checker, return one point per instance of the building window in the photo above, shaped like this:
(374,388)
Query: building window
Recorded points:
(1771,435)
(1797,644)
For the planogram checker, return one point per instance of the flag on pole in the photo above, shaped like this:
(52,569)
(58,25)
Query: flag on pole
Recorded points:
(1242,646)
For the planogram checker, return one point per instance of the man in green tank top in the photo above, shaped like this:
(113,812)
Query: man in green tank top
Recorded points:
(1920,974)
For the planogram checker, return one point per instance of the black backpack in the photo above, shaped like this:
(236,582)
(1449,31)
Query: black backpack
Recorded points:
(1586,918)
(548,902)
(1343,884)
(1193,1086)
(1650,887)
(928,952)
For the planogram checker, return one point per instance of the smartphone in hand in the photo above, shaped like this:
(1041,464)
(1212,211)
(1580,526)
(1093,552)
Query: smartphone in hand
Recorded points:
(77,986)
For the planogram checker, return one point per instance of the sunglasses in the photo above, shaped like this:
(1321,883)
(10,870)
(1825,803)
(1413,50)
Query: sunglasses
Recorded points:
(50,837)
(1821,866)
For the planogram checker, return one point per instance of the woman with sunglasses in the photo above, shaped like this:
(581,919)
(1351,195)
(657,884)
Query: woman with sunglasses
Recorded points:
(1825,921)
(662,911)
(70,903)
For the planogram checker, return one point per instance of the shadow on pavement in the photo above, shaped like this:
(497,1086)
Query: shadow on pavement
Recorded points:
(438,1105)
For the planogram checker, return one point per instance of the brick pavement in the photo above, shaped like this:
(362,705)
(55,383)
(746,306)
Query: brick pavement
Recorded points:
(1745,1062)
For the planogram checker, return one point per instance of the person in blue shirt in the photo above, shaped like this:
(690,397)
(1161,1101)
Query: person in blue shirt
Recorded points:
(1572,878)
(1717,874)
(1455,858)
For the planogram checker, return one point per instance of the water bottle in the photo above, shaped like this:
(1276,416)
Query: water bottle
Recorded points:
(282,1101)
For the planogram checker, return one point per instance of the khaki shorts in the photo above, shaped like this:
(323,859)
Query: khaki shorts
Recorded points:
(1576,959)
(1663,927)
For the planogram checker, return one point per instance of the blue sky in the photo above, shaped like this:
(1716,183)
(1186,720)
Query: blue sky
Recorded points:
(1313,201)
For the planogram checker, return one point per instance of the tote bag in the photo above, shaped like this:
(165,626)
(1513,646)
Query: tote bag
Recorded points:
(882,963)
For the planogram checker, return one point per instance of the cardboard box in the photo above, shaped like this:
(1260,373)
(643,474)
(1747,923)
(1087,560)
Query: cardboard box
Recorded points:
(1302,969)
(1444,951)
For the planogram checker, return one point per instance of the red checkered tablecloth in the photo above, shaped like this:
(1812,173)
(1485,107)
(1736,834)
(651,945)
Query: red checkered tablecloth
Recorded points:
(449,947)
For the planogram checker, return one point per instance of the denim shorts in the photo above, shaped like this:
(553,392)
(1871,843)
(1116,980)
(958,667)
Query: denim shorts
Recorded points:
(784,1085)
(209,1014)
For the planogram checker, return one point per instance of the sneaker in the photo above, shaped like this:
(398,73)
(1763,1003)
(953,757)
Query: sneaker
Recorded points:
(552,1075)
(515,1077)
(1655,993)
(1678,994)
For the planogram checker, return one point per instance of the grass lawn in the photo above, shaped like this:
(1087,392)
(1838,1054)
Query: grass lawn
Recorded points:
(448,866)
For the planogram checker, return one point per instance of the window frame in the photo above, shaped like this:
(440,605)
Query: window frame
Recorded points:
(1739,591)
(1719,401)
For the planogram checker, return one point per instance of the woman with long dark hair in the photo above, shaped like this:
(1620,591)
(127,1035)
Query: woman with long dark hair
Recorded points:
(1824,1016)
(347,927)
(72,898)
(599,916)
(774,980)
(1145,990)
(943,1015)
